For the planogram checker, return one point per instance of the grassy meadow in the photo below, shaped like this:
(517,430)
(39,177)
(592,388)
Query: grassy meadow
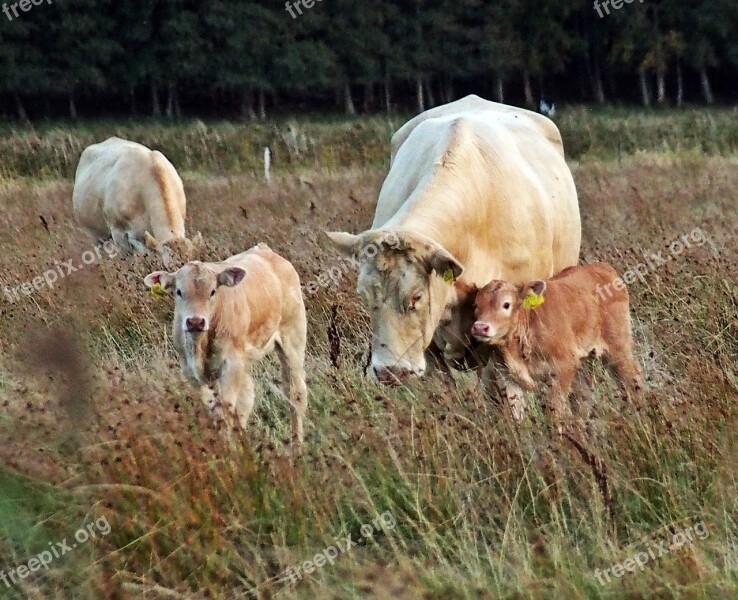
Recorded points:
(97,422)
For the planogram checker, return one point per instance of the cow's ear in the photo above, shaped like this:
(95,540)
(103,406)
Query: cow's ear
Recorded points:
(150,242)
(536,287)
(230,277)
(347,244)
(444,264)
(160,278)
(198,242)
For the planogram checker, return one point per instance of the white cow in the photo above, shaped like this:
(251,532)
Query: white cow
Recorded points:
(124,190)
(476,190)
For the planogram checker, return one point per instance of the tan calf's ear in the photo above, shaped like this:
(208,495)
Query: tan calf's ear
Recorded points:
(160,278)
(230,277)
(150,242)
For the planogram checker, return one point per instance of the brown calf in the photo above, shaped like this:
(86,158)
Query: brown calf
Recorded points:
(575,320)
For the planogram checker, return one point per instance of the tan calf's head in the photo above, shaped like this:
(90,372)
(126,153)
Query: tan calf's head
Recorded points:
(497,307)
(195,288)
(401,278)
(176,251)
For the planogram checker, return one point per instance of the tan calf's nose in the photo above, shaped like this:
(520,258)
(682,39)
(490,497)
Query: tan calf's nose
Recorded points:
(195,324)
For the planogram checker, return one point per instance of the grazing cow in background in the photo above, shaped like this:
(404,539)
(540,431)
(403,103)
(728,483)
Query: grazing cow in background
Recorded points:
(545,329)
(229,315)
(125,191)
(476,190)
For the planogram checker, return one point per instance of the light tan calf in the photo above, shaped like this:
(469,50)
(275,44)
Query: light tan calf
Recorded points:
(128,192)
(577,318)
(228,316)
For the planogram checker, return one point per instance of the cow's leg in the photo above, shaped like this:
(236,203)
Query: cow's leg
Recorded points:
(237,389)
(292,357)
(558,397)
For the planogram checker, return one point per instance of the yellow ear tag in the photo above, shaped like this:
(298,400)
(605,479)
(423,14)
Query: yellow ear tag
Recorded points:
(448,276)
(157,291)
(533,300)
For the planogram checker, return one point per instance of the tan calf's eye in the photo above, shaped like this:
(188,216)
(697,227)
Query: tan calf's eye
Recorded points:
(506,305)
(212,293)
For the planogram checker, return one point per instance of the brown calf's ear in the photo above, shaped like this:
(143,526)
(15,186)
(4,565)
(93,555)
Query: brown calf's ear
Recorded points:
(444,264)
(161,278)
(231,276)
(537,287)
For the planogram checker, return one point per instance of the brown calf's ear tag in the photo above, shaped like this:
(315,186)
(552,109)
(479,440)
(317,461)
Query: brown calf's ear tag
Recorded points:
(533,300)
(448,275)
(158,291)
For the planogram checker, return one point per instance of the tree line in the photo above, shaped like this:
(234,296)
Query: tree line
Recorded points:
(169,57)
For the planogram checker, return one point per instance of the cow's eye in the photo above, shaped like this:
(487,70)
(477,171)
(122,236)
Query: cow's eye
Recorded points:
(506,305)
(414,301)
(179,293)
(212,293)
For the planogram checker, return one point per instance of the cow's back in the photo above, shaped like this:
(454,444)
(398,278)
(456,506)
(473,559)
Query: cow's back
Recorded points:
(490,184)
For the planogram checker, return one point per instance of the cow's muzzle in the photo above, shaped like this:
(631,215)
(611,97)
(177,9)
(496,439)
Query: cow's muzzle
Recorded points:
(195,324)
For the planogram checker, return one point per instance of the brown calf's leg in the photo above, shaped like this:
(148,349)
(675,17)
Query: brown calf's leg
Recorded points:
(558,397)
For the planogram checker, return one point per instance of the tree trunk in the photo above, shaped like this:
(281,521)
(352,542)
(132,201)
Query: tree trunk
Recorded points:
(348,101)
(450,94)
(500,85)
(645,92)
(262,105)
(387,94)
(170,101)
(247,105)
(72,106)
(132,100)
(20,108)
(680,86)
(706,87)
(661,87)
(419,93)
(429,93)
(368,103)
(597,87)
(155,107)
(177,107)
(528,90)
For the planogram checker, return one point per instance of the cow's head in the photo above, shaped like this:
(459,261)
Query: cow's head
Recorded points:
(176,251)
(497,307)
(405,279)
(195,288)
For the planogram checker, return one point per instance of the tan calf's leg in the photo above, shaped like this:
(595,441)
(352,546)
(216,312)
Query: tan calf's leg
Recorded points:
(620,354)
(292,357)
(237,390)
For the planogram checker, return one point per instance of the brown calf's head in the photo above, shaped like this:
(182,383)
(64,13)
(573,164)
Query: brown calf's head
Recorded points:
(195,288)
(497,306)
(176,251)
(405,280)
